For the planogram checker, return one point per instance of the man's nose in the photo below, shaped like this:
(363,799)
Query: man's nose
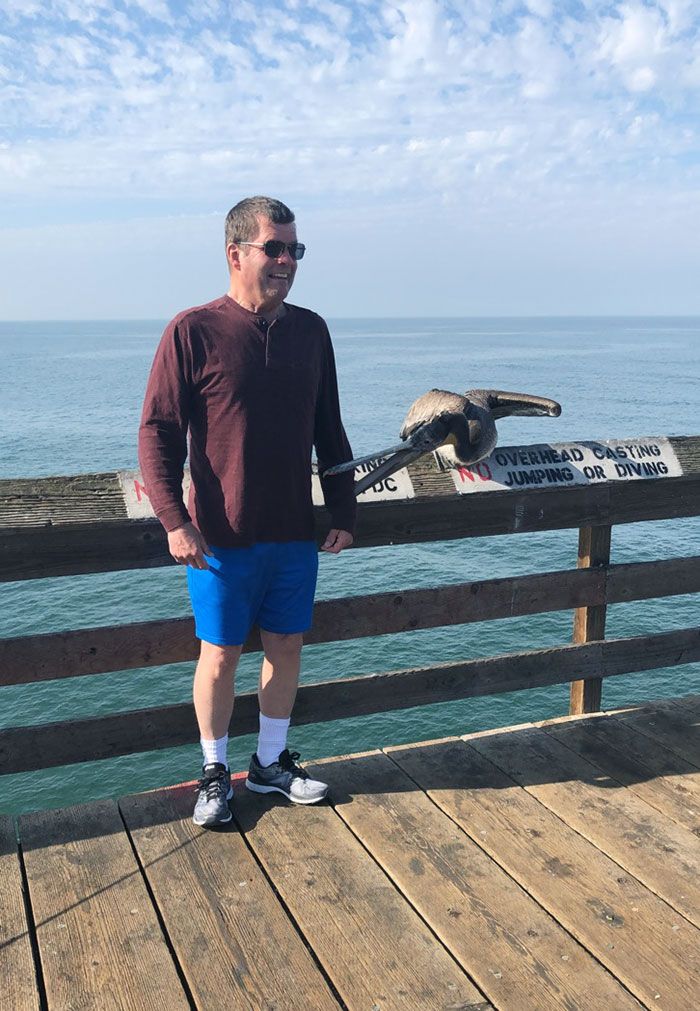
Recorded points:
(285,256)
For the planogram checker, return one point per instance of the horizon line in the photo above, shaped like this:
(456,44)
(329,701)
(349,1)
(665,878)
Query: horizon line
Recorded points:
(429,316)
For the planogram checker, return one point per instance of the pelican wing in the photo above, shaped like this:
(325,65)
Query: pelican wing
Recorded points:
(503,404)
(429,407)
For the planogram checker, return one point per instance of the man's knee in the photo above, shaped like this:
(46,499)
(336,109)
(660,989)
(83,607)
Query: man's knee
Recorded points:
(280,645)
(218,661)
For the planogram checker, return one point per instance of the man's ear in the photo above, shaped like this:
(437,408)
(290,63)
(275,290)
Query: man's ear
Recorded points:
(233,255)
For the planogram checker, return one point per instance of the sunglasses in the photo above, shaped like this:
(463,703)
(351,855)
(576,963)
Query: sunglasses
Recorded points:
(275,247)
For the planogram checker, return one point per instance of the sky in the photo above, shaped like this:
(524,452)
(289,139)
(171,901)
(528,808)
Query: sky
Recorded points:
(442,159)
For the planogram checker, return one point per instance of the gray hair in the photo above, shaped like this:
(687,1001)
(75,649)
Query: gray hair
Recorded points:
(242,220)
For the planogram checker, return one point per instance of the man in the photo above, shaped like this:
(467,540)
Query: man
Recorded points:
(252,378)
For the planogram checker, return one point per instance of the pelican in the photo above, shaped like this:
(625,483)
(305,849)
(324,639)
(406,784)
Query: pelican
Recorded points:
(459,428)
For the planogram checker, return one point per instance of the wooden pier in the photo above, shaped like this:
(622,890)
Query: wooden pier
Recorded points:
(538,867)
(549,866)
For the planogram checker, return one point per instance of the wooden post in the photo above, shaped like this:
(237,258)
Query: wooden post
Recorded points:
(589,622)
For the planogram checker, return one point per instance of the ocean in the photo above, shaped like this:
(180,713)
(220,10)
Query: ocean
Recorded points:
(70,397)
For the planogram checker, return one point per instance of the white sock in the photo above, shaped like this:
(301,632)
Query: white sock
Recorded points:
(272,739)
(215,751)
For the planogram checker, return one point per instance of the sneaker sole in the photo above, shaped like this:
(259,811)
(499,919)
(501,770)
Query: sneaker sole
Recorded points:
(256,788)
(209,824)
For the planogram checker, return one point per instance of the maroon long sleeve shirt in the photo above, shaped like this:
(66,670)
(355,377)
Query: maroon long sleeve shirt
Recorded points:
(255,399)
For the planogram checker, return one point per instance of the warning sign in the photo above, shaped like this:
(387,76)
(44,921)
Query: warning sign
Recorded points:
(138,504)
(396,486)
(570,463)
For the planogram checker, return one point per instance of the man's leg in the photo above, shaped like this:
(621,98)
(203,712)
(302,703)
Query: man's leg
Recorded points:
(272,768)
(277,689)
(213,703)
(288,604)
(279,676)
(213,689)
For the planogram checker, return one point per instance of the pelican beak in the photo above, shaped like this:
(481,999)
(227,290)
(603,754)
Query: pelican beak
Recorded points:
(550,412)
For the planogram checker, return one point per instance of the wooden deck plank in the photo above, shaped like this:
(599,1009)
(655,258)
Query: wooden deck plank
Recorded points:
(516,953)
(660,777)
(100,943)
(234,942)
(373,946)
(652,950)
(662,855)
(17,972)
(676,727)
(685,702)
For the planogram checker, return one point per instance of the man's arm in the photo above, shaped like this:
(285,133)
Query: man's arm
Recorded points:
(163,446)
(332,447)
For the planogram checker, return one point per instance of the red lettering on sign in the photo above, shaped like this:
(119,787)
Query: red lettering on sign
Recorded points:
(139,489)
(480,470)
(465,472)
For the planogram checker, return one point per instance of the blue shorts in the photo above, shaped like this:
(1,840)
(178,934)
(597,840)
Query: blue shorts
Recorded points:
(270,583)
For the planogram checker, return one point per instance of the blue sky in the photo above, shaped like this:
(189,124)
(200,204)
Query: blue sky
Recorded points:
(442,158)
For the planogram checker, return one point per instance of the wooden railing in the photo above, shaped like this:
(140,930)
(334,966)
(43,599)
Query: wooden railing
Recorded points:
(64,526)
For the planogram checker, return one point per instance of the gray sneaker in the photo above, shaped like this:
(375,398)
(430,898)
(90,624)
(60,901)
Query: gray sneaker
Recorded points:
(286,777)
(214,792)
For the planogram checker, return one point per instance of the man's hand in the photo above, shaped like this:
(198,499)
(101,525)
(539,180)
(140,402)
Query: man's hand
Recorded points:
(188,547)
(336,541)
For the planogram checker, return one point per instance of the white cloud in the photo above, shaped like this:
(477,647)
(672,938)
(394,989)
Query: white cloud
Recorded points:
(641,79)
(635,43)
(421,39)
(679,14)
(371,103)
(266,78)
(338,14)
(542,8)
(153,8)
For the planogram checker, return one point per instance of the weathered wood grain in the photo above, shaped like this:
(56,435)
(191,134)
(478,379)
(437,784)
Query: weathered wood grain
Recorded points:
(687,449)
(589,621)
(370,942)
(430,480)
(18,977)
(662,855)
(651,771)
(99,940)
(43,746)
(652,950)
(515,952)
(668,727)
(689,703)
(43,501)
(650,652)
(642,580)
(234,943)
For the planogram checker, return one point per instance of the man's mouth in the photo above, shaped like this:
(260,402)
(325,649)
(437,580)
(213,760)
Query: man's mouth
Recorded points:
(280,277)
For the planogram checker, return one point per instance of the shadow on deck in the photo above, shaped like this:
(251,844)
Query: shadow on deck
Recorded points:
(554,865)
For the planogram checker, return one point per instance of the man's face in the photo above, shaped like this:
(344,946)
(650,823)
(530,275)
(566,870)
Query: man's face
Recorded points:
(263,282)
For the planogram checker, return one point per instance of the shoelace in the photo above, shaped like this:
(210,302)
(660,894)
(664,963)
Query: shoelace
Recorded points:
(288,760)
(212,785)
